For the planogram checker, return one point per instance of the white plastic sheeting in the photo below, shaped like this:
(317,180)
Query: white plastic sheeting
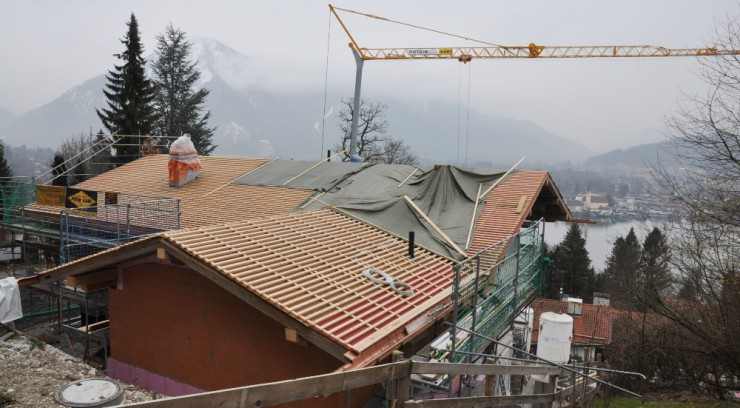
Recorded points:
(10,300)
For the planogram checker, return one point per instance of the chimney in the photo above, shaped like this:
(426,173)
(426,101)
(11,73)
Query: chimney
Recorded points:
(574,306)
(184,162)
(601,299)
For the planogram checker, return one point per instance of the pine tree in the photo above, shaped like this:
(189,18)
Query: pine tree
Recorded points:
(58,170)
(571,268)
(620,277)
(5,171)
(130,98)
(178,103)
(655,274)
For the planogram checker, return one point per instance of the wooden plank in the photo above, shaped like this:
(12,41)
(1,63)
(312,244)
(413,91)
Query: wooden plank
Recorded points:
(419,367)
(520,206)
(472,220)
(281,392)
(433,225)
(496,401)
(500,179)
(257,302)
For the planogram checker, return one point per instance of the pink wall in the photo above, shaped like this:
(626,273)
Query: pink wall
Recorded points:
(146,379)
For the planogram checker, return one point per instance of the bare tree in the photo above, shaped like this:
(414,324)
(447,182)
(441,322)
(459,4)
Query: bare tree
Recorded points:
(705,232)
(395,151)
(373,142)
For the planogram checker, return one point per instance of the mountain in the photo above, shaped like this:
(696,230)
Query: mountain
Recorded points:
(252,121)
(645,136)
(5,117)
(642,155)
(67,115)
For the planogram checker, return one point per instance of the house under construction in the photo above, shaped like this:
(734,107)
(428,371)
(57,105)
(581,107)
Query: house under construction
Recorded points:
(261,270)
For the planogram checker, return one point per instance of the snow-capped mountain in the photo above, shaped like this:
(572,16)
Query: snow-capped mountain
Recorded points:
(252,121)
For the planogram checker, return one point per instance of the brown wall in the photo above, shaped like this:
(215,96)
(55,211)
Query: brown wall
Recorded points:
(174,322)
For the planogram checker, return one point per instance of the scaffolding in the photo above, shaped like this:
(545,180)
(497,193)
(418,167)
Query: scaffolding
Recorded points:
(36,237)
(87,231)
(486,299)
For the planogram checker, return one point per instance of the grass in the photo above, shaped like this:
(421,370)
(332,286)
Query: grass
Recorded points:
(622,402)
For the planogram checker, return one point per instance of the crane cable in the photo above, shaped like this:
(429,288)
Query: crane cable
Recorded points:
(419,27)
(326,81)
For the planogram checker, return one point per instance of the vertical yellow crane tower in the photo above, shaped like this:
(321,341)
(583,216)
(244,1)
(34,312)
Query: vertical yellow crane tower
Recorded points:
(467,54)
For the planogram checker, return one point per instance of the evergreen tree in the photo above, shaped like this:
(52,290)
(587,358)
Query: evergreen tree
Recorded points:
(178,103)
(5,170)
(5,173)
(130,98)
(58,170)
(571,269)
(620,277)
(655,274)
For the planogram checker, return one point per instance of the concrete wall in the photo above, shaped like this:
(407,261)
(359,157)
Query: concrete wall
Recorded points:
(176,324)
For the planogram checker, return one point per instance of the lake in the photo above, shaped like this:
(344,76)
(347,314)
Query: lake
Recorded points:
(599,237)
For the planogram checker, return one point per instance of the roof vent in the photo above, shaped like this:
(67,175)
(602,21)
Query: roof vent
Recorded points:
(601,299)
(184,162)
(575,306)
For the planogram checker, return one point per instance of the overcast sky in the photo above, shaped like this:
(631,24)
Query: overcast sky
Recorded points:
(50,46)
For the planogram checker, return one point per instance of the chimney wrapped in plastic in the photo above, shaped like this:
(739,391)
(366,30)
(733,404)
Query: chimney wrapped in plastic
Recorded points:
(184,162)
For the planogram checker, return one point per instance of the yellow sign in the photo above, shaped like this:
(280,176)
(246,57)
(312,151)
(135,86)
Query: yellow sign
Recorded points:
(81,199)
(445,51)
(50,195)
(84,200)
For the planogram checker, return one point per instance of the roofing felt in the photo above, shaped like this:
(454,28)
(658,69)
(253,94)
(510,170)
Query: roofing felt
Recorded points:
(593,326)
(209,199)
(392,197)
(300,174)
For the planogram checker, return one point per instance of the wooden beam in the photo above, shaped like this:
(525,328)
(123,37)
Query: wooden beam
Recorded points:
(252,299)
(433,225)
(500,179)
(281,392)
(100,261)
(419,367)
(92,277)
(162,254)
(496,401)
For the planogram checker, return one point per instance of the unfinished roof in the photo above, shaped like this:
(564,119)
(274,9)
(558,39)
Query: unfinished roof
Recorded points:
(524,195)
(209,199)
(438,203)
(310,265)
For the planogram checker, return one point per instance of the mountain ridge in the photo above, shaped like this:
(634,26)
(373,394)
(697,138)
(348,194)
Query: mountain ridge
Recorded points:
(252,121)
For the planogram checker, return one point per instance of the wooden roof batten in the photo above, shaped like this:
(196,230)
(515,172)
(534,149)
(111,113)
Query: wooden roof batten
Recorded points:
(257,260)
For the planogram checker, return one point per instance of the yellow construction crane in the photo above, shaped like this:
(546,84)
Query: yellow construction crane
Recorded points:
(495,51)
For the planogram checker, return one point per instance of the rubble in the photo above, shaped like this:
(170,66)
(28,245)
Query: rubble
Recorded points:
(31,372)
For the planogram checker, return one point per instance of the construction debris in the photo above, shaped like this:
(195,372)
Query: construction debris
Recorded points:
(31,372)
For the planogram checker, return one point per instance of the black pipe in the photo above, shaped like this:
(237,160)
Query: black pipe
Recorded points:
(328,155)
(411,244)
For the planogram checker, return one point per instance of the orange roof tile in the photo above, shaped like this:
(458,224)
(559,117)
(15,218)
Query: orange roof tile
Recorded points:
(499,218)
(593,326)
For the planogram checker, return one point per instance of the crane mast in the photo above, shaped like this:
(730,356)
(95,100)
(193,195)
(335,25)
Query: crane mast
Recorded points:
(467,54)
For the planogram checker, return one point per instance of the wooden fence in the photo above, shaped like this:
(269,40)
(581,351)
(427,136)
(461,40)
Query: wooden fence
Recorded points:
(398,373)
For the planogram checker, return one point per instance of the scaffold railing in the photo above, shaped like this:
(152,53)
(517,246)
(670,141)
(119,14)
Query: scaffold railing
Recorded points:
(88,230)
(492,287)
